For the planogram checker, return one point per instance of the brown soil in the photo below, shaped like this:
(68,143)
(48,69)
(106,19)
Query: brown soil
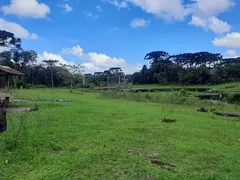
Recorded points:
(227,114)
(169,120)
(17,109)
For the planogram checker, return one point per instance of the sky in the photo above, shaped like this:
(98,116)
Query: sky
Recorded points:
(100,34)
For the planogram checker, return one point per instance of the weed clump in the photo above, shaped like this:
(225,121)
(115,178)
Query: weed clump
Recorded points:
(169,120)
(202,109)
(34,108)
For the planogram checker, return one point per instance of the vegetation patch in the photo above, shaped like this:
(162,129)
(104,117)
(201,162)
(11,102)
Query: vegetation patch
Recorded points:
(202,109)
(227,114)
(168,89)
(169,120)
(180,97)
(43,100)
(94,137)
(18,109)
(158,162)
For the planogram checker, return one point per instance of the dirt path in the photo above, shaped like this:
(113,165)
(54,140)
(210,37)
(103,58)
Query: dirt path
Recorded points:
(17,109)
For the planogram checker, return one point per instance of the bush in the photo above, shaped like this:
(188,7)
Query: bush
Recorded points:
(27,86)
(19,84)
(202,109)
(233,98)
(88,85)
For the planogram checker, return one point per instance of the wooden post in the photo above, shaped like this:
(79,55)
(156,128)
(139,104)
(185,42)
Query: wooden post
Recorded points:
(3,121)
(7,83)
(83,76)
(119,79)
(52,78)
(6,102)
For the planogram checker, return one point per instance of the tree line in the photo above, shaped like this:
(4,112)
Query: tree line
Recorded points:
(50,72)
(186,68)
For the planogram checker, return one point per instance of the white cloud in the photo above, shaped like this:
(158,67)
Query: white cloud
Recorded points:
(66,8)
(118,3)
(76,51)
(17,29)
(178,9)
(129,69)
(115,28)
(231,40)
(26,8)
(208,8)
(52,56)
(90,68)
(99,62)
(205,12)
(218,26)
(92,61)
(212,23)
(2,48)
(199,22)
(91,15)
(170,10)
(123,4)
(230,54)
(137,23)
(99,9)
(103,60)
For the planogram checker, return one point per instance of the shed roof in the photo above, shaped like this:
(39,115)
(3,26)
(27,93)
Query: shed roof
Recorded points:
(5,70)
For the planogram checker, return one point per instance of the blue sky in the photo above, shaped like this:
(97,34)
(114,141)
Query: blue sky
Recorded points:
(104,33)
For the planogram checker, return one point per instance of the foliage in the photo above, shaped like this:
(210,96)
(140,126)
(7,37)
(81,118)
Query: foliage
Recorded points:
(184,69)
(8,39)
(188,68)
(181,97)
(39,86)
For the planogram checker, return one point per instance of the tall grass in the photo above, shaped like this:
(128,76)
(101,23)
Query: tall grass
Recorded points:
(92,138)
(19,132)
(179,97)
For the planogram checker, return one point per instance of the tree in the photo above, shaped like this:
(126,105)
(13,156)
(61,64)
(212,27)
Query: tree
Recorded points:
(99,78)
(160,63)
(116,72)
(66,72)
(50,64)
(107,74)
(8,39)
(5,59)
(156,56)
(23,58)
(143,73)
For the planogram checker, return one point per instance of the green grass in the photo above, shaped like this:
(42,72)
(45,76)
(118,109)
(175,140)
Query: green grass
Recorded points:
(97,138)
(228,87)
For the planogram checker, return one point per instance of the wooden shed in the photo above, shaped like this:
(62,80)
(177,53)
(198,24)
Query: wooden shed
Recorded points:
(6,72)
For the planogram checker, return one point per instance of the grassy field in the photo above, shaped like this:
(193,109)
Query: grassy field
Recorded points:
(229,87)
(94,137)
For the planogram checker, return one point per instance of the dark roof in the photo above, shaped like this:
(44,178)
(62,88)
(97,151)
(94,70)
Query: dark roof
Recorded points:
(5,70)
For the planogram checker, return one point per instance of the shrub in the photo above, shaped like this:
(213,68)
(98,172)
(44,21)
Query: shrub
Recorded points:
(88,85)
(233,98)
(202,109)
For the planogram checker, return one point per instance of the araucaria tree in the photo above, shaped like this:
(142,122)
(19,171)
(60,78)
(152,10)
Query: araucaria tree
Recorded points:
(50,64)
